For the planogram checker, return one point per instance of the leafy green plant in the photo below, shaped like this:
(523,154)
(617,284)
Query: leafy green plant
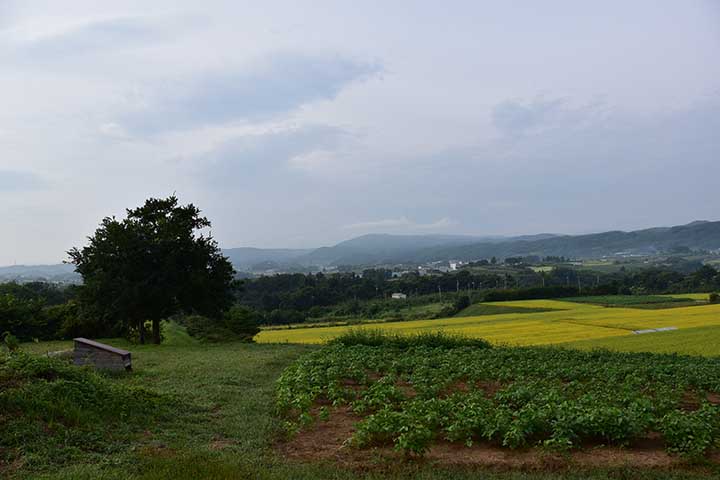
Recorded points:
(414,391)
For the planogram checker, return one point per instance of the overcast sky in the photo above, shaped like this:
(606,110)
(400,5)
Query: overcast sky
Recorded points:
(299,124)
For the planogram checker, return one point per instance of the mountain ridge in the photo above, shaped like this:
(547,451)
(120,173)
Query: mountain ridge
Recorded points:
(377,249)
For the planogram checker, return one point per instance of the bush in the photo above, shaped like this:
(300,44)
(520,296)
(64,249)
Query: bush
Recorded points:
(238,323)
(714,298)
(22,317)
(242,322)
(461,303)
(377,338)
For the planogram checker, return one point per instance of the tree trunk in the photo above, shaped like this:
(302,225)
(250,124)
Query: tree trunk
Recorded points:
(156,331)
(141,332)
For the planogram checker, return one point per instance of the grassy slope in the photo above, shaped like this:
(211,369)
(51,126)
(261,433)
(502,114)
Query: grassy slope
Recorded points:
(479,309)
(230,435)
(692,341)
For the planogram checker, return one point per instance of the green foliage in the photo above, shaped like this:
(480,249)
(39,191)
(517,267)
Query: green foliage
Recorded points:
(629,300)
(714,298)
(55,411)
(21,317)
(152,265)
(415,393)
(692,433)
(479,309)
(461,303)
(377,338)
(238,323)
(535,293)
(11,343)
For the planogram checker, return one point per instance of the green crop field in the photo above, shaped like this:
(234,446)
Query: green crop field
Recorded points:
(415,392)
(561,322)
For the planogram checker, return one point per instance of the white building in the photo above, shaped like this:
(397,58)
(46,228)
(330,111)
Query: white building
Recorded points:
(399,296)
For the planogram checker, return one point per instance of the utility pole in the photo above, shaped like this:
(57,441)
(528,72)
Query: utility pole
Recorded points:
(440,291)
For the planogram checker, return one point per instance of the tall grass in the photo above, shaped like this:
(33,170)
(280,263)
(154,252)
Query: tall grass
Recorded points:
(437,339)
(51,411)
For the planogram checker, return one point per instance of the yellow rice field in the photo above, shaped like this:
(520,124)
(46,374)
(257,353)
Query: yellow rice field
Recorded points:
(567,323)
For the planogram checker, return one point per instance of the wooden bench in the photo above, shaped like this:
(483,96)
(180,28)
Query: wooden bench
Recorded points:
(101,356)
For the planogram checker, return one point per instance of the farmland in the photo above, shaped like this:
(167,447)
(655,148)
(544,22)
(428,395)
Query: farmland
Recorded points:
(402,410)
(556,322)
(415,392)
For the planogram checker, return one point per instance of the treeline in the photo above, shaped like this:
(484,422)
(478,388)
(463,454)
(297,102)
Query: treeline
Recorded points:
(38,311)
(44,311)
(294,298)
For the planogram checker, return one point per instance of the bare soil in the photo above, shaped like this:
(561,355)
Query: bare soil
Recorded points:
(329,441)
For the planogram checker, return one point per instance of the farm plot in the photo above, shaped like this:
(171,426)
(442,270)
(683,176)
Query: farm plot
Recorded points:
(547,322)
(419,398)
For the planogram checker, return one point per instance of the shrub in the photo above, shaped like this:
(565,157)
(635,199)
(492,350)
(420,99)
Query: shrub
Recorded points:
(242,322)
(238,323)
(461,303)
(714,298)
(10,342)
(377,338)
(21,317)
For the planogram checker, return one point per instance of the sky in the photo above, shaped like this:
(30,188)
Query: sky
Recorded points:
(304,123)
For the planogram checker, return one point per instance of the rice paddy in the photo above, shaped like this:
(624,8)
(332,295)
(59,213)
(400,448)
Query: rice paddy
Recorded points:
(559,322)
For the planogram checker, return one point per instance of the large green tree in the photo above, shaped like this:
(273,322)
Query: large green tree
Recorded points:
(150,265)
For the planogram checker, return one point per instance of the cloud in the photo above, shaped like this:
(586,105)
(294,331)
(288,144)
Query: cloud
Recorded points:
(401,223)
(254,160)
(513,117)
(14,181)
(85,36)
(276,84)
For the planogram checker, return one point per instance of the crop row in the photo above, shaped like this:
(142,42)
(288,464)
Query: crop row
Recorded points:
(514,397)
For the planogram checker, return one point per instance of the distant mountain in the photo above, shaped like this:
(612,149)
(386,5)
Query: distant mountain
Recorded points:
(62,273)
(376,249)
(381,248)
(696,235)
(245,258)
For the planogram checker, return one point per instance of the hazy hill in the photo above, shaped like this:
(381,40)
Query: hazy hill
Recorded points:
(695,235)
(381,248)
(245,258)
(377,249)
(51,273)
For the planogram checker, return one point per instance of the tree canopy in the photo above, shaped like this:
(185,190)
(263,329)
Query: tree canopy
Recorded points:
(153,264)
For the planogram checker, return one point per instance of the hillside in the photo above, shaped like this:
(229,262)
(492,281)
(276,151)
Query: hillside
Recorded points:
(245,258)
(376,249)
(695,235)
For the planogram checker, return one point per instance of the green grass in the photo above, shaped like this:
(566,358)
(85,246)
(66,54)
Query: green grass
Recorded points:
(230,426)
(424,339)
(636,301)
(480,309)
(691,341)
